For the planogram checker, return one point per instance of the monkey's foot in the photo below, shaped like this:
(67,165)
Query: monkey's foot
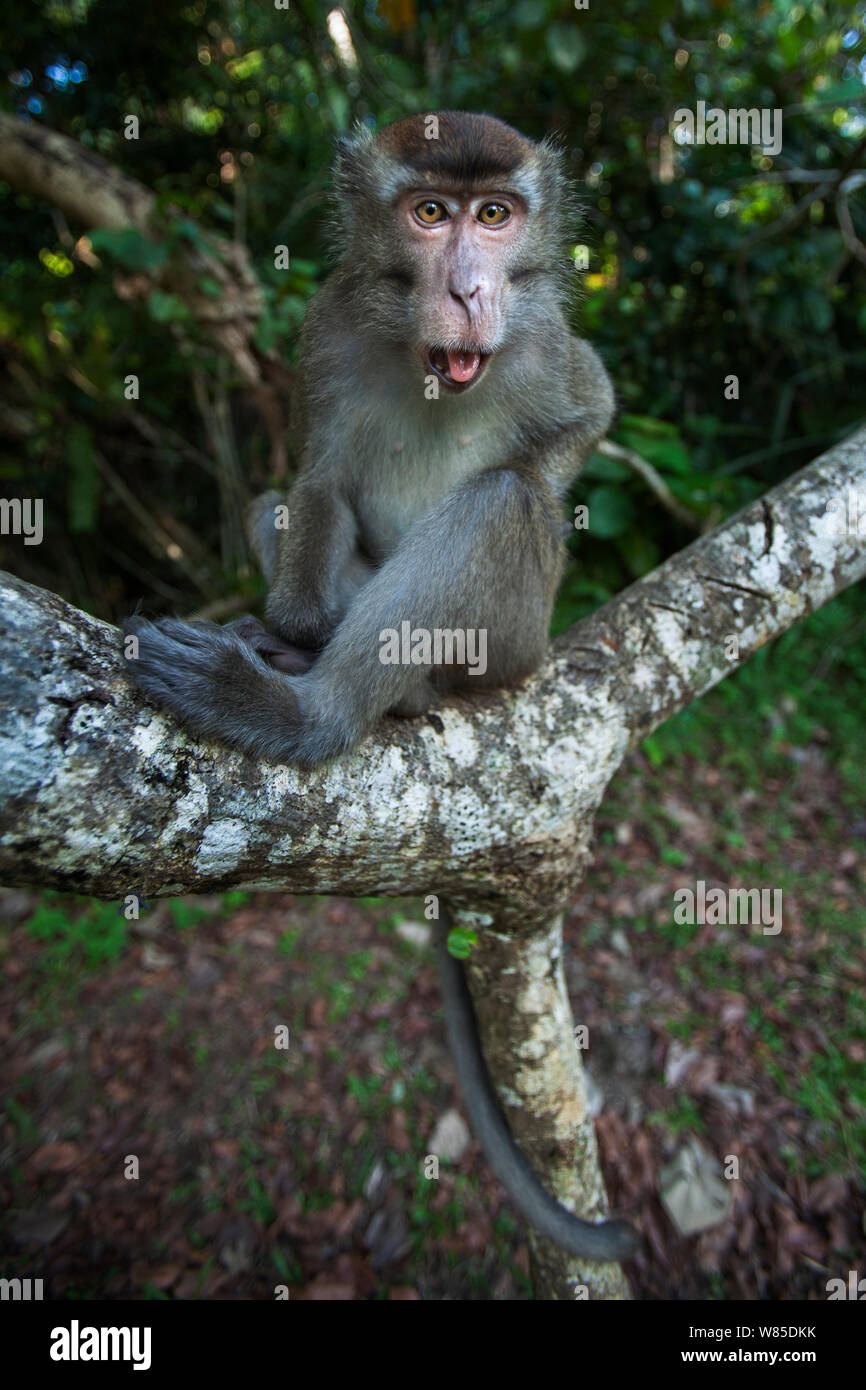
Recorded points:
(283,656)
(217,685)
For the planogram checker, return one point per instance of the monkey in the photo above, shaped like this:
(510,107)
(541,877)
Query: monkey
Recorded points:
(606,1240)
(444,407)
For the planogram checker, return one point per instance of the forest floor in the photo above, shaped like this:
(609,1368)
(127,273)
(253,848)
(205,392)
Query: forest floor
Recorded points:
(155,1143)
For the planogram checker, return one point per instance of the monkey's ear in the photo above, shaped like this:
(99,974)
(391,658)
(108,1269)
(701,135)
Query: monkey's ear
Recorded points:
(555,191)
(351,146)
(357,181)
(352,154)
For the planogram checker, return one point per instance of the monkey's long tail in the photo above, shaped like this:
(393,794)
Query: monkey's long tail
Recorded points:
(607,1240)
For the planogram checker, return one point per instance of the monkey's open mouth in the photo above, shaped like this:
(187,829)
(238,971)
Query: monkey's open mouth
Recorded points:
(456,369)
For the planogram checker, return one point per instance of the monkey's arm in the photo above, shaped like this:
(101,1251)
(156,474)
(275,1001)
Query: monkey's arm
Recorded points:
(309,563)
(591,399)
(607,1240)
(487,557)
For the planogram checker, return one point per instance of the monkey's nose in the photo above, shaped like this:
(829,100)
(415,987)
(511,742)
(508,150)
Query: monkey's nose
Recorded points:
(465,296)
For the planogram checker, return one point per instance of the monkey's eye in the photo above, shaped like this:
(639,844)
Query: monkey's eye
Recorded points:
(430,212)
(493,214)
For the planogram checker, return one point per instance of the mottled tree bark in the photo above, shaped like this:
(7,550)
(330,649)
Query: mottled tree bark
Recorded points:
(488,803)
(525,1020)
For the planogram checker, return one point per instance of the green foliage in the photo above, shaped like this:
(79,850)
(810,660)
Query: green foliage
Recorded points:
(186,913)
(461,941)
(833,1090)
(83,487)
(683,1117)
(611,511)
(130,248)
(91,933)
(167,308)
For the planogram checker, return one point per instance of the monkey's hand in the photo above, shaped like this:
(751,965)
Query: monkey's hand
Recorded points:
(284,656)
(299,621)
(212,677)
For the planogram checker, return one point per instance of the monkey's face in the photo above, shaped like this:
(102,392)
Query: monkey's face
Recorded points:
(452,232)
(462,246)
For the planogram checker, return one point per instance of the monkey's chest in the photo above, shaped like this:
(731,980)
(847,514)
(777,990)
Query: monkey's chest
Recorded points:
(407,477)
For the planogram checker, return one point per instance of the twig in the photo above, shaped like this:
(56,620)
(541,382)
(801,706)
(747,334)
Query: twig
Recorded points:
(846,227)
(220,608)
(654,481)
(158,540)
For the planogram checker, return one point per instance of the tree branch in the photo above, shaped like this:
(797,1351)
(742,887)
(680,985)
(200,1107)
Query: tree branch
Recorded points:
(653,479)
(494,797)
(100,794)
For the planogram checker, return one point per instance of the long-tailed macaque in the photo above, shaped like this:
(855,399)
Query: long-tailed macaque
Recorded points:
(446,407)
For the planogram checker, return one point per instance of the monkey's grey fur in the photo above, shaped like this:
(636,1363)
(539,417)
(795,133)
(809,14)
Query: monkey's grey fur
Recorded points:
(445,512)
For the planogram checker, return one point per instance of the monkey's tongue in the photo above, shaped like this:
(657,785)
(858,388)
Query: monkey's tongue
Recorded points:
(462,366)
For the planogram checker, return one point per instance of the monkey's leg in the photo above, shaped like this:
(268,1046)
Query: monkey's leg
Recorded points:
(340,576)
(306,545)
(487,557)
(261,526)
(316,570)
(333,539)
(415,702)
